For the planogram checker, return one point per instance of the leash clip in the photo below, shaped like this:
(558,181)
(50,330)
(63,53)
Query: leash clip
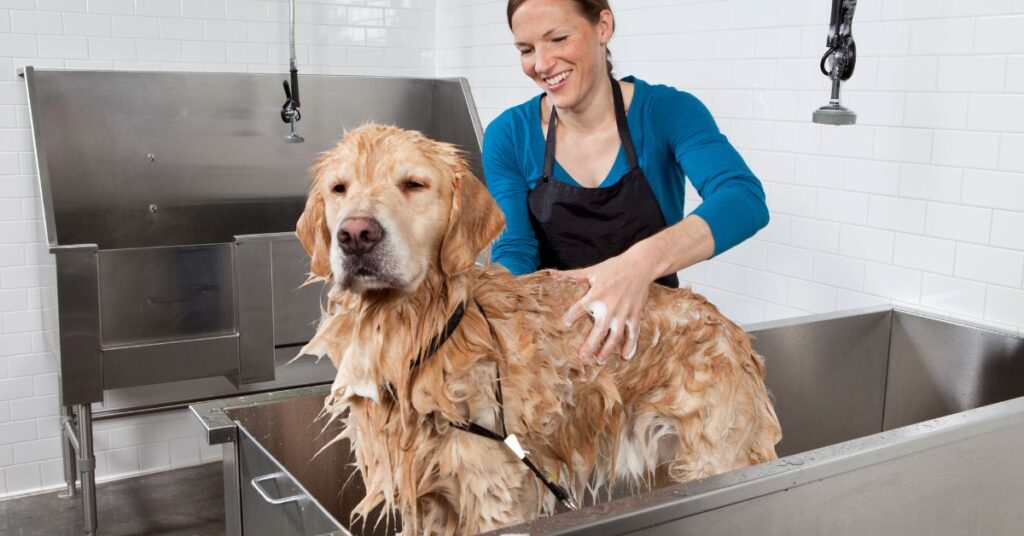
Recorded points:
(512,442)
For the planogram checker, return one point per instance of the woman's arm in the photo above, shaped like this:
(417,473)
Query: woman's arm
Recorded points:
(676,247)
(733,210)
(733,207)
(733,203)
(517,247)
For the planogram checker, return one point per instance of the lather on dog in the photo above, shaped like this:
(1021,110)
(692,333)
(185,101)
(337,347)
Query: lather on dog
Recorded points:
(459,388)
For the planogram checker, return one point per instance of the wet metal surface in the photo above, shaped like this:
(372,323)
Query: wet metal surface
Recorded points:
(289,432)
(216,418)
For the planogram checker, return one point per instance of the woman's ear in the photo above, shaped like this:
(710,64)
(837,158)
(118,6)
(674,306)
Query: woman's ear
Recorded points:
(474,222)
(605,26)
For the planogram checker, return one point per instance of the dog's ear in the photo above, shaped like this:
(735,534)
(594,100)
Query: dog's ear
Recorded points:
(315,236)
(475,220)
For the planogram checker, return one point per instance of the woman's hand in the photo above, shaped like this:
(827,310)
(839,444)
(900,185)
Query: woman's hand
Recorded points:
(618,292)
(619,285)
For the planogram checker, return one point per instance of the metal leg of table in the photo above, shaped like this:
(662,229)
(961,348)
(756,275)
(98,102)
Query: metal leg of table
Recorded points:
(68,449)
(87,467)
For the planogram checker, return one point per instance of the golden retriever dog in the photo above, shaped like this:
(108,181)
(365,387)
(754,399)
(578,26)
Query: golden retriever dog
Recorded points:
(394,222)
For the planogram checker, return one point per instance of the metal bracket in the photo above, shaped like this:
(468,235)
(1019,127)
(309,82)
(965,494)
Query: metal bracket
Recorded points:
(266,496)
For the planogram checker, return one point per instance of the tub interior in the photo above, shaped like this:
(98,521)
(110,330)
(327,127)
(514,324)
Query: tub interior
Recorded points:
(842,378)
(833,379)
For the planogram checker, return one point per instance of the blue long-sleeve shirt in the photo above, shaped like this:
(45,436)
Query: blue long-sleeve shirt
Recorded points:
(675,137)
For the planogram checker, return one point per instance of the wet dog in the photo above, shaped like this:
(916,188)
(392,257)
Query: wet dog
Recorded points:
(440,360)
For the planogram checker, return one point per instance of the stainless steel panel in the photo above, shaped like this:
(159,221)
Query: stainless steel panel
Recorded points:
(827,377)
(296,307)
(232,491)
(152,159)
(169,293)
(254,309)
(302,516)
(79,320)
(453,117)
(42,165)
(887,483)
(973,486)
(305,371)
(939,367)
(218,427)
(288,432)
(147,178)
(131,366)
(955,499)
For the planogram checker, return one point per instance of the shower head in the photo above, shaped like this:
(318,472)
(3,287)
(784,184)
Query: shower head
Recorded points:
(291,115)
(834,114)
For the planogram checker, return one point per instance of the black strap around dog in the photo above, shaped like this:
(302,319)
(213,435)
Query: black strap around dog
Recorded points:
(438,340)
(509,440)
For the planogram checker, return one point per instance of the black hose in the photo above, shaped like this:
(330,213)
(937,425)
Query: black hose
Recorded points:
(824,58)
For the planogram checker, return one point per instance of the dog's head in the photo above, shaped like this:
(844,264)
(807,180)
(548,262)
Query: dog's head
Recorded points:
(388,205)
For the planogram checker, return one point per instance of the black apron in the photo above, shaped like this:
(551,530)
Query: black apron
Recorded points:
(577,227)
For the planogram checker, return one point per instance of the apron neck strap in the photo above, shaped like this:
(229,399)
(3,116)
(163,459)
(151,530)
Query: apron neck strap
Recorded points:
(549,147)
(620,122)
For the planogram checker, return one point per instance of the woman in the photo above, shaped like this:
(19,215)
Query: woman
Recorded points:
(605,203)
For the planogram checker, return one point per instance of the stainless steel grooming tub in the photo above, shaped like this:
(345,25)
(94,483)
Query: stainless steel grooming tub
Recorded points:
(170,202)
(893,422)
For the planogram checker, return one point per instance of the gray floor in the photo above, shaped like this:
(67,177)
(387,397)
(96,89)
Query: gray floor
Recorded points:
(186,501)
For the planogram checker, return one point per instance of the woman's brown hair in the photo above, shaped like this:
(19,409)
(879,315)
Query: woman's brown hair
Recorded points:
(589,9)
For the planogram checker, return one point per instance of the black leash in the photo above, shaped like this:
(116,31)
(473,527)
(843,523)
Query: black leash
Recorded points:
(438,340)
(509,440)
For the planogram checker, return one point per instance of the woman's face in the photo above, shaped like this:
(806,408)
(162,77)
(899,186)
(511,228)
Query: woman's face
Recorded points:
(561,51)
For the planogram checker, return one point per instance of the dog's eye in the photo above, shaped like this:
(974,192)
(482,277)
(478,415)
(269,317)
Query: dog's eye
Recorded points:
(338,188)
(413,185)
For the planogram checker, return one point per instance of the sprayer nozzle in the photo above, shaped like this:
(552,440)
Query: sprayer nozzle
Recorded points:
(834,114)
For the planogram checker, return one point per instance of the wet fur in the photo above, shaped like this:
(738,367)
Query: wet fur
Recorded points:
(692,401)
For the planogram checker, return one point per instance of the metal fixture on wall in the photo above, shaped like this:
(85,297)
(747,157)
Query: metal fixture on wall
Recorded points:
(290,110)
(843,54)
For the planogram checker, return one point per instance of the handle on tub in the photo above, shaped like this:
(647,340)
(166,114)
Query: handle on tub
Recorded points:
(266,496)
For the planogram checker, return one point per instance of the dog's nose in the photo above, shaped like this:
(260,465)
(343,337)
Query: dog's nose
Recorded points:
(357,236)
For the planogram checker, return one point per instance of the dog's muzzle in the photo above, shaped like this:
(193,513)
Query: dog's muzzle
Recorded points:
(358,236)
(365,254)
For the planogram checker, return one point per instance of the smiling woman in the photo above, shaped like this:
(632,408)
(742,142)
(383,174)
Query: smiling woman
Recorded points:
(605,204)
(567,33)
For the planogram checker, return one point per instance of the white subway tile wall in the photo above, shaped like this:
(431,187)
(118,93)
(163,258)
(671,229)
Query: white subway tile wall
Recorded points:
(920,204)
(379,37)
